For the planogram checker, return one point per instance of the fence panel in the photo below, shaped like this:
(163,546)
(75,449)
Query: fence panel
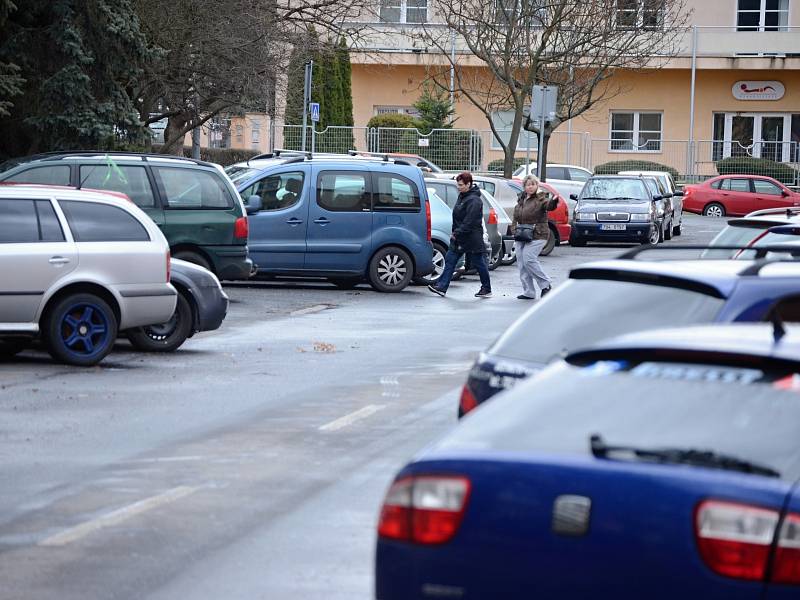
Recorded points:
(607,156)
(450,149)
(779,160)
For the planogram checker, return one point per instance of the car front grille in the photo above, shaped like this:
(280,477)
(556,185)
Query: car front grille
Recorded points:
(614,216)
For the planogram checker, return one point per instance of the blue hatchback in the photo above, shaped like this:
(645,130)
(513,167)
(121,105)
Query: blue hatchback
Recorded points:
(343,218)
(662,465)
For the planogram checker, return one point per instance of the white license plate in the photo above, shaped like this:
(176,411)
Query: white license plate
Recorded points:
(612,227)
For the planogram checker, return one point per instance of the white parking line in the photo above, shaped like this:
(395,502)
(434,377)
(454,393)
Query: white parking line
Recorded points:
(361,413)
(116,517)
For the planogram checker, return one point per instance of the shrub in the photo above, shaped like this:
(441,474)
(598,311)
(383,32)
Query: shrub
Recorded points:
(614,167)
(396,120)
(745,165)
(497,165)
(221,156)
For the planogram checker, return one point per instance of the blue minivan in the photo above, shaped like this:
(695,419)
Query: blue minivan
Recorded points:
(343,218)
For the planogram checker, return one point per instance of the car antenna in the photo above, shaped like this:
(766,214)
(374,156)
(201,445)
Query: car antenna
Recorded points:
(778,330)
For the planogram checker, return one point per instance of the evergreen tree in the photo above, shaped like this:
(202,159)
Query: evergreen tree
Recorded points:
(346,74)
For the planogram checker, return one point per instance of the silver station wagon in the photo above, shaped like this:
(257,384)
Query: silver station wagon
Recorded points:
(76,268)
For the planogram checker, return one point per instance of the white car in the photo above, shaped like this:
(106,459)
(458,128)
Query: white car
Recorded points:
(567,179)
(669,184)
(76,268)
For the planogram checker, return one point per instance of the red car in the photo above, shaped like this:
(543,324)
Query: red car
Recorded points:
(737,195)
(559,218)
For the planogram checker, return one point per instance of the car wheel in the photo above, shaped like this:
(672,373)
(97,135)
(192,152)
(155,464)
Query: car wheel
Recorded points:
(165,337)
(668,231)
(439,251)
(10,348)
(714,209)
(80,330)
(344,283)
(548,247)
(390,269)
(194,258)
(654,237)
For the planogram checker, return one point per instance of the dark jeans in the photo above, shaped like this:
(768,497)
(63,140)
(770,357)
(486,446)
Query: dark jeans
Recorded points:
(478,261)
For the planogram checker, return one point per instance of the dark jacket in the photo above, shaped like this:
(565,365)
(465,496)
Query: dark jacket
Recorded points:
(533,211)
(468,221)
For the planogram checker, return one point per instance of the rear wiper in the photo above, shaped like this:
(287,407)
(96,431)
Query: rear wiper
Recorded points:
(684,456)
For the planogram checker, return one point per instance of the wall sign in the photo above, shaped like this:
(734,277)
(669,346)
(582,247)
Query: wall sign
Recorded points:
(758,90)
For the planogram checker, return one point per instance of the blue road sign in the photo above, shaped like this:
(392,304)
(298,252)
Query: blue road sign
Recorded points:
(315,111)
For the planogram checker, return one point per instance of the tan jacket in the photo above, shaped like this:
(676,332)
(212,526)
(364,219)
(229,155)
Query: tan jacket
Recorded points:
(533,210)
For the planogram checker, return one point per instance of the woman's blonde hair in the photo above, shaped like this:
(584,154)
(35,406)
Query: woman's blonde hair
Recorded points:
(528,178)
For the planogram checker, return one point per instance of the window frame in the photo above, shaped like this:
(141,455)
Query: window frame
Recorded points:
(149,176)
(280,174)
(403,8)
(64,203)
(367,175)
(753,182)
(33,167)
(642,8)
(636,132)
(162,190)
(400,208)
(762,13)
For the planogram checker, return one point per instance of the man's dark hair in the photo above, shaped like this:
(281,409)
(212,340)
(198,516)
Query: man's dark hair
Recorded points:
(464,177)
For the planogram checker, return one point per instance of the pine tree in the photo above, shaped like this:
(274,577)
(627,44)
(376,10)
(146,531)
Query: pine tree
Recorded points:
(346,75)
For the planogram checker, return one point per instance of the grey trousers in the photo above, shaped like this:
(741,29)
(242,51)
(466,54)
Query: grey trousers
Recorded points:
(530,269)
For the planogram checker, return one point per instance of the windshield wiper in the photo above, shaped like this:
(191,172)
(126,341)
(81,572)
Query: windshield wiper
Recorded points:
(626,198)
(684,456)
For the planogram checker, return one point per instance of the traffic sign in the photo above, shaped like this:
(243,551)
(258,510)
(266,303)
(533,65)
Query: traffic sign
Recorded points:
(314,111)
(543,102)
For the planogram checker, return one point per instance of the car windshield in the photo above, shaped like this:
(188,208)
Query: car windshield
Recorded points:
(239,174)
(607,189)
(726,410)
(588,310)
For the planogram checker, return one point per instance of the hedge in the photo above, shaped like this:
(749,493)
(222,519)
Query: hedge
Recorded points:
(221,156)
(614,167)
(497,165)
(745,165)
(395,120)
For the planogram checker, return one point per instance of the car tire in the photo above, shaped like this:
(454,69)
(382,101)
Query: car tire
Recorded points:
(165,337)
(194,258)
(677,230)
(654,238)
(577,242)
(80,330)
(668,231)
(439,252)
(549,245)
(12,347)
(714,209)
(344,283)
(390,270)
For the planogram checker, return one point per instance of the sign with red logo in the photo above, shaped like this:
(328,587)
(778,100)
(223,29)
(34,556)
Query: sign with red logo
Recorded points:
(758,90)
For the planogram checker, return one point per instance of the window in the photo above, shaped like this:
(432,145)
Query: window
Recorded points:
(49,175)
(532,12)
(132,181)
(49,226)
(640,14)
(240,134)
(503,120)
(762,15)
(635,132)
(343,191)
(277,191)
(192,189)
(489,187)
(404,11)
(393,192)
(94,222)
(735,185)
(789,309)
(578,174)
(18,222)
(767,188)
(255,133)
(557,173)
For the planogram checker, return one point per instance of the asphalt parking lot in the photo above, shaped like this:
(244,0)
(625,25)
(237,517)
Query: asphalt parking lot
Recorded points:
(250,463)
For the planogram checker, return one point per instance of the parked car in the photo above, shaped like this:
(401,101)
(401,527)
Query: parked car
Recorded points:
(77,267)
(657,188)
(415,159)
(661,453)
(737,195)
(613,297)
(504,191)
(567,179)
(441,229)
(339,217)
(201,306)
(615,208)
(193,202)
(676,198)
(760,228)
(447,190)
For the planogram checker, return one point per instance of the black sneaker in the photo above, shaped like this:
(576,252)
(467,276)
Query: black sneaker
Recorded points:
(524,297)
(436,290)
(483,293)
(546,291)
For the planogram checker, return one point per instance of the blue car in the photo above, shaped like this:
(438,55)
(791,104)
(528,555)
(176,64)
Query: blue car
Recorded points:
(343,218)
(613,297)
(661,465)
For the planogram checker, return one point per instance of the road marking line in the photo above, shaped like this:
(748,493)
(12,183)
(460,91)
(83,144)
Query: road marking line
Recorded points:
(309,310)
(116,517)
(361,413)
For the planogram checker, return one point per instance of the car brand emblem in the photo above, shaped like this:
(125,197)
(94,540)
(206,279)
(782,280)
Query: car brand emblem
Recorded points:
(571,515)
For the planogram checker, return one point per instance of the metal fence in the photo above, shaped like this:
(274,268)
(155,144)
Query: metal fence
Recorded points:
(480,150)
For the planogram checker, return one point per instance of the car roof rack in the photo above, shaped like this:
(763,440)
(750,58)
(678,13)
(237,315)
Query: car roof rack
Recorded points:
(384,156)
(789,211)
(60,154)
(303,155)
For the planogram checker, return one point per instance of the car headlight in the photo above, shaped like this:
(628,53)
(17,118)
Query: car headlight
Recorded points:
(585,216)
(641,217)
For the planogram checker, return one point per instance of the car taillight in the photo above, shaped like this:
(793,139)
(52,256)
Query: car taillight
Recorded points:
(425,509)
(786,566)
(241,229)
(169,266)
(468,401)
(428,220)
(492,216)
(734,539)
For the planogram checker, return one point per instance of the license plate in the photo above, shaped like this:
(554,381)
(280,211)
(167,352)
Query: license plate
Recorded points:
(613,227)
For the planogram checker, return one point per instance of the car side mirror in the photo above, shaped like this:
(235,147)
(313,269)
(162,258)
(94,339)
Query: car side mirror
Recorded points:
(573,196)
(253,204)
(784,193)
(677,193)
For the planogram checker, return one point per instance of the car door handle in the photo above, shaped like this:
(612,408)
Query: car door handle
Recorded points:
(294,221)
(58,260)
(322,221)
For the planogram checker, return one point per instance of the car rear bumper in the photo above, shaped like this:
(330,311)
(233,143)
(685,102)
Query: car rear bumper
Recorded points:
(141,305)
(230,262)
(212,307)
(634,232)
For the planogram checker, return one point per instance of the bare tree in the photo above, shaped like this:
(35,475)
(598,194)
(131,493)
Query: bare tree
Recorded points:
(576,44)
(225,57)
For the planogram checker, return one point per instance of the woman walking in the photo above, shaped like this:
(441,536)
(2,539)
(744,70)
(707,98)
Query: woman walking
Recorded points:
(467,237)
(531,233)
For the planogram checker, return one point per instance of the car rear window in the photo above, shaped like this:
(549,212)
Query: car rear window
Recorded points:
(588,310)
(95,222)
(130,180)
(738,411)
(193,189)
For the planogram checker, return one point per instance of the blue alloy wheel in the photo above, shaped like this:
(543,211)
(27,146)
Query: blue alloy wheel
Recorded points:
(81,330)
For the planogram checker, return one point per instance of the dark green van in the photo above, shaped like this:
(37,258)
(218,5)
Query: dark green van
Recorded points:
(193,202)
